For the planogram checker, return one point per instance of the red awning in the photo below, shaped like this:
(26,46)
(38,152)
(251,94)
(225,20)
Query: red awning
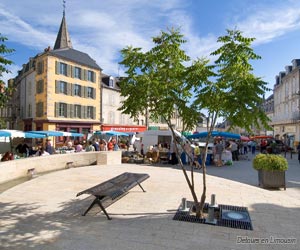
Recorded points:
(124,128)
(261,137)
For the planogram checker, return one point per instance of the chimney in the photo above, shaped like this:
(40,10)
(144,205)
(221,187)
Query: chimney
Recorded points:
(277,80)
(281,75)
(288,69)
(296,63)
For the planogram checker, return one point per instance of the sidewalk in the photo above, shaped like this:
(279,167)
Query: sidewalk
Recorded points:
(44,213)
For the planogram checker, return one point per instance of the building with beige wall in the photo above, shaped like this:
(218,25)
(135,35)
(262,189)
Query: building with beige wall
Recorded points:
(59,89)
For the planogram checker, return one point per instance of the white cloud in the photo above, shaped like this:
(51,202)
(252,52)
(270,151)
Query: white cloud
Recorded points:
(22,31)
(103,29)
(271,23)
(13,72)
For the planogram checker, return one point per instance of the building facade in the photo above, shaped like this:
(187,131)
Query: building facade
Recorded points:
(286,117)
(112,118)
(59,89)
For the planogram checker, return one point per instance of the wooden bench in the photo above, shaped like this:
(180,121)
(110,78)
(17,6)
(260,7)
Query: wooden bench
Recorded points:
(108,192)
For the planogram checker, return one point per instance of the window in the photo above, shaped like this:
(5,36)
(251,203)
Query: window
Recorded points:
(63,69)
(77,111)
(90,112)
(39,109)
(77,72)
(112,100)
(40,87)
(62,109)
(62,87)
(40,67)
(111,117)
(90,92)
(77,90)
(91,76)
(111,82)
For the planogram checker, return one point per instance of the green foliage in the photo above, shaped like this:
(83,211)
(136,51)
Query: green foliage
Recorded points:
(158,81)
(236,93)
(5,92)
(270,162)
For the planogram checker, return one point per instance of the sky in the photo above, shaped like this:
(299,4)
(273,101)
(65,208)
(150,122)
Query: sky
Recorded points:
(102,28)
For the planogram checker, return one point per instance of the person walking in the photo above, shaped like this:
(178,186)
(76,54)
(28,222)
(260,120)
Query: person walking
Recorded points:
(253,147)
(298,149)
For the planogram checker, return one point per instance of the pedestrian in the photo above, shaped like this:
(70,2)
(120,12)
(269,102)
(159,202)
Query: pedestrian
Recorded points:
(298,149)
(253,147)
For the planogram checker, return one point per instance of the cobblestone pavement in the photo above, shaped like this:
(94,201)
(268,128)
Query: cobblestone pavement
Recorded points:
(44,213)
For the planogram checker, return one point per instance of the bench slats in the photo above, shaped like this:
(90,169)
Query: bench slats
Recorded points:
(113,189)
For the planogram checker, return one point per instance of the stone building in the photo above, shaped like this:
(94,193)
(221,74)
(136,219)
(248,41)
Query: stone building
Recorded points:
(286,115)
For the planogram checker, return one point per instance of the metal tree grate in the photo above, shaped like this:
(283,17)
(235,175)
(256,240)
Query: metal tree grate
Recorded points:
(228,216)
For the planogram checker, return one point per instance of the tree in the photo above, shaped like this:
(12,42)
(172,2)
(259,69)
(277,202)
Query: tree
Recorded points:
(5,91)
(236,93)
(165,77)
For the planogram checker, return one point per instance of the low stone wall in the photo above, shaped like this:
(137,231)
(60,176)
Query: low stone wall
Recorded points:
(10,170)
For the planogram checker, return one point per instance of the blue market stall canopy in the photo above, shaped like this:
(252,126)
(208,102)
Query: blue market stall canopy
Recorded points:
(56,133)
(214,134)
(20,134)
(111,133)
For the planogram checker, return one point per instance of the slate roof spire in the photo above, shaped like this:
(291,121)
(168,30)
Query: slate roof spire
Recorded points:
(63,39)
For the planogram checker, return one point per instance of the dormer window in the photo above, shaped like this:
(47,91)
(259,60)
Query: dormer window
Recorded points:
(111,82)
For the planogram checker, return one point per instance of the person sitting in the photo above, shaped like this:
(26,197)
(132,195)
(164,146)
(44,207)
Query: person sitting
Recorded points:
(42,152)
(89,147)
(23,149)
(49,148)
(79,147)
(8,156)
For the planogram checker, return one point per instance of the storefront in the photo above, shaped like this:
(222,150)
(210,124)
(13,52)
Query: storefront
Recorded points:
(124,128)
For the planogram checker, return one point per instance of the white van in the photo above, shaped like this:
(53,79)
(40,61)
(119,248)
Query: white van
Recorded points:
(154,137)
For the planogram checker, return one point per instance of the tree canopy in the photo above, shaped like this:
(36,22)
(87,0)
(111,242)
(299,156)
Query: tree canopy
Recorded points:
(165,78)
(5,91)
(158,81)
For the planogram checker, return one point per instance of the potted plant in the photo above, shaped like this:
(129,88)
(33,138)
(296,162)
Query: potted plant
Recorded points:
(271,170)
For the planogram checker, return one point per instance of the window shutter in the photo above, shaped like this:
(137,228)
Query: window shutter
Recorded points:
(73,89)
(83,112)
(40,86)
(93,76)
(69,88)
(94,113)
(85,92)
(56,87)
(94,93)
(85,74)
(37,87)
(42,67)
(80,73)
(56,109)
(57,67)
(39,109)
(65,110)
(73,71)
(68,70)
(70,108)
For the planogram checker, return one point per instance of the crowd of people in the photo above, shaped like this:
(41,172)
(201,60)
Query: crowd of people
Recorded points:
(23,150)
(221,152)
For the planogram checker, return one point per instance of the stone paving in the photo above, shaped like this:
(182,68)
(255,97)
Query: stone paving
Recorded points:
(44,213)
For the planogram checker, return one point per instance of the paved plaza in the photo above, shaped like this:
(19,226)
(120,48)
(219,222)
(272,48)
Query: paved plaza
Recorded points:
(44,213)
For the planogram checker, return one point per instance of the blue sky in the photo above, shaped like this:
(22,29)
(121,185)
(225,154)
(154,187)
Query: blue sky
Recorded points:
(103,28)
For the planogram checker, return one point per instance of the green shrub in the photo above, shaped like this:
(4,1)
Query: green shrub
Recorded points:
(270,162)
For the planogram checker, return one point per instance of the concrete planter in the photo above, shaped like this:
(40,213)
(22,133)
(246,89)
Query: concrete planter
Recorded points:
(271,179)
